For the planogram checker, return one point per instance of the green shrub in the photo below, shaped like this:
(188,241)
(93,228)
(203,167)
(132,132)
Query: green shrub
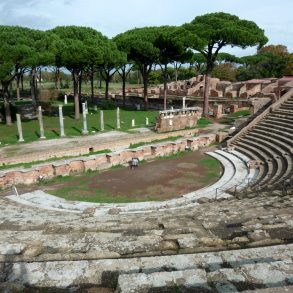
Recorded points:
(108,105)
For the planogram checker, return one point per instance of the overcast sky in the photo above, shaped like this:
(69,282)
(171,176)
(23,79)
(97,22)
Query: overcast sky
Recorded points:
(115,16)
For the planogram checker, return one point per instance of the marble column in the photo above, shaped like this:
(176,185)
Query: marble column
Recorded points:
(61,121)
(147,121)
(184,103)
(65,99)
(84,112)
(19,128)
(133,123)
(102,120)
(41,123)
(118,118)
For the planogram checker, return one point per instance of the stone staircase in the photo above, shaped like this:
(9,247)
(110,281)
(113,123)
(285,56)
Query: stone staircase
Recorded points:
(269,145)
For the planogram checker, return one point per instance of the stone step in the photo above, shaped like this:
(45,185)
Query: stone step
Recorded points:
(178,281)
(266,266)
(275,132)
(263,155)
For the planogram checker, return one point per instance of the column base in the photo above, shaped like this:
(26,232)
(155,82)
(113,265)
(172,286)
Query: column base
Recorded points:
(84,132)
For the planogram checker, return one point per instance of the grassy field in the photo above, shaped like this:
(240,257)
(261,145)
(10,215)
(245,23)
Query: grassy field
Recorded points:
(31,132)
(8,135)
(79,188)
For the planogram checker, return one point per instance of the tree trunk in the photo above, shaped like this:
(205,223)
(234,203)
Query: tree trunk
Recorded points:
(165,86)
(107,81)
(124,89)
(145,91)
(206,94)
(79,85)
(75,79)
(6,98)
(33,86)
(57,79)
(92,85)
(18,79)
(21,79)
(100,80)
(40,77)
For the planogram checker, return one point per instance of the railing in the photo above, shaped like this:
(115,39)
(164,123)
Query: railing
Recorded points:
(177,111)
(283,187)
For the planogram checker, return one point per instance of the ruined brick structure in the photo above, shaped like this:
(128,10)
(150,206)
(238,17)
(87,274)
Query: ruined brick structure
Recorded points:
(171,120)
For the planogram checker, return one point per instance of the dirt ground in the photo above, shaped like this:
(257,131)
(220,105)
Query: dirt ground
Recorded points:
(160,179)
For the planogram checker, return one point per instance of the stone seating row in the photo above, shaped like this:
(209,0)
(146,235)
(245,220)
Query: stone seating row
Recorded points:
(223,271)
(269,144)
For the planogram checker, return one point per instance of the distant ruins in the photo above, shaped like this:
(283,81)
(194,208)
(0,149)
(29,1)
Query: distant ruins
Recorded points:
(194,87)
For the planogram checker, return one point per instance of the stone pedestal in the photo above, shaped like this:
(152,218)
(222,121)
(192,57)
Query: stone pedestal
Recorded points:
(218,111)
(84,112)
(61,121)
(19,128)
(221,136)
(40,118)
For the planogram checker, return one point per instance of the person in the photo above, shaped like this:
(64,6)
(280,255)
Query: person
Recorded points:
(134,163)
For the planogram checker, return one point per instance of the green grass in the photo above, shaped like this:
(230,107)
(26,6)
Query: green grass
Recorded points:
(100,196)
(213,167)
(238,114)
(29,165)
(79,189)
(8,135)
(230,118)
(203,122)
(136,145)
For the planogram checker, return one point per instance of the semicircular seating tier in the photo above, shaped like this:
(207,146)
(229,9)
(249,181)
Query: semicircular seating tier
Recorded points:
(269,145)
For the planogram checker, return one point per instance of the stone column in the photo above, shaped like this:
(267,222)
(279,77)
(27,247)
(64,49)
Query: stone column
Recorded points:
(133,123)
(184,103)
(19,128)
(118,118)
(61,121)
(147,121)
(84,111)
(102,121)
(40,118)
(65,99)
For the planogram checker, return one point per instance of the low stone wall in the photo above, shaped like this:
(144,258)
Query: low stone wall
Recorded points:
(79,165)
(95,146)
